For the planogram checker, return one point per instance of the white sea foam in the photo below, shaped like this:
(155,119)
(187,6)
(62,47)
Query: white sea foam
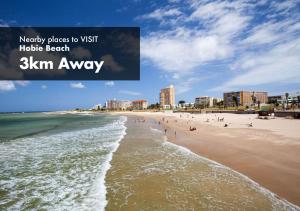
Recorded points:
(155,130)
(64,171)
(98,192)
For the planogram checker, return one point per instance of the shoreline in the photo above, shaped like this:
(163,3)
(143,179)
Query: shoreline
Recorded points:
(254,183)
(264,156)
(107,166)
(149,171)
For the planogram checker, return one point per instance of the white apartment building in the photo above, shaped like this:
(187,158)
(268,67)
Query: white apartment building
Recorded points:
(204,101)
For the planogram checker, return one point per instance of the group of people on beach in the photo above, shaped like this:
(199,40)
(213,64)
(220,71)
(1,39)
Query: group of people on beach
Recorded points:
(163,119)
(192,128)
(167,121)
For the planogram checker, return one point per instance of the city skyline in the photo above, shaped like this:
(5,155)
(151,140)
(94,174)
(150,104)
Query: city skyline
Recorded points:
(203,48)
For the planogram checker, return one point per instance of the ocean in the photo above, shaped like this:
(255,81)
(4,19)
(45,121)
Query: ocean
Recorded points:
(61,161)
(56,161)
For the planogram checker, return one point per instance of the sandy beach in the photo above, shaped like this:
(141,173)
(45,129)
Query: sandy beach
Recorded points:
(267,152)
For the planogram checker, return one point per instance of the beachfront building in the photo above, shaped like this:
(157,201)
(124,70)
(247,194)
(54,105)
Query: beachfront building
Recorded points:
(111,104)
(204,101)
(185,105)
(139,104)
(97,107)
(125,104)
(181,104)
(284,100)
(276,99)
(118,104)
(245,98)
(167,97)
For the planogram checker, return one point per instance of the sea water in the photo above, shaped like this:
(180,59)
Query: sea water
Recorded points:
(56,161)
(60,161)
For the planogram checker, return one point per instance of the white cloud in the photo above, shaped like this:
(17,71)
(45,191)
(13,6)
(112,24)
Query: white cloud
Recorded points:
(160,14)
(179,54)
(272,32)
(109,83)
(176,76)
(284,7)
(78,85)
(230,25)
(22,83)
(209,11)
(259,44)
(184,50)
(278,65)
(7,86)
(186,85)
(3,23)
(127,92)
(44,87)
(11,85)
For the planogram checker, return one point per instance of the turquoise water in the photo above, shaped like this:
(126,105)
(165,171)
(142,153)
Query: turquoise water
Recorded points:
(18,125)
(52,161)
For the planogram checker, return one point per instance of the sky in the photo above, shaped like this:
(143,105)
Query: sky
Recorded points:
(201,47)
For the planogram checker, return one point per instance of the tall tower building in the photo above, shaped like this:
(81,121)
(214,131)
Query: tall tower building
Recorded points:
(167,97)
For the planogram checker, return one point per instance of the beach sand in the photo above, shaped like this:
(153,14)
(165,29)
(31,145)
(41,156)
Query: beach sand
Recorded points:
(149,173)
(268,152)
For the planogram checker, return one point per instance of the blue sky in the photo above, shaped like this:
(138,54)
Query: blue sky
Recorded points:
(202,47)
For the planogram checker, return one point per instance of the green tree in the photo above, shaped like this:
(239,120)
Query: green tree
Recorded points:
(253,98)
(154,106)
(287,99)
(294,103)
(235,100)
(220,104)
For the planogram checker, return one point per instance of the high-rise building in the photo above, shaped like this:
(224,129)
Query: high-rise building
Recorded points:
(111,104)
(245,98)
(139,104)
(167,97)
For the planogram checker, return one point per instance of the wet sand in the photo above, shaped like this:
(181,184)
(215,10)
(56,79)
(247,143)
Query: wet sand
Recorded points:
(149,173)
(270,159)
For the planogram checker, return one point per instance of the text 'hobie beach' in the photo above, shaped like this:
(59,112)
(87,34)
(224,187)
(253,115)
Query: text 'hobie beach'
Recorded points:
(31,64)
